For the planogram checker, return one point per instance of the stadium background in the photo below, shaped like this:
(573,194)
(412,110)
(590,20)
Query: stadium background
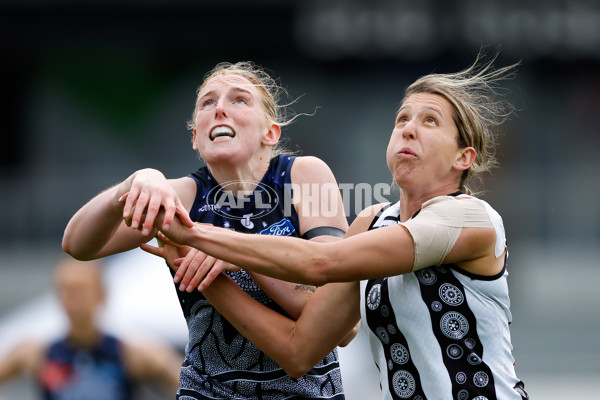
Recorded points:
(93,91)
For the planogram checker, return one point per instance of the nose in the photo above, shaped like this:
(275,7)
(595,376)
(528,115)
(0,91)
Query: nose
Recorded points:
(220,108)
(410,130)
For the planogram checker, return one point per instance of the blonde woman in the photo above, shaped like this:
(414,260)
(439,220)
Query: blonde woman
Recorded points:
(246,186)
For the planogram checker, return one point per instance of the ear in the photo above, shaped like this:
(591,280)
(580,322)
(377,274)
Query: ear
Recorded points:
(272,136)
(194,145)
(466,158)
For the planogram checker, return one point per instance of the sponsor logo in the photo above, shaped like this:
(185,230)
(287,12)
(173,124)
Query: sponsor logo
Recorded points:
(281,228)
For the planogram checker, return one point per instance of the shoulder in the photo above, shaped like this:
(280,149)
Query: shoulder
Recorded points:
(311,169)
(365,218)
(469,210)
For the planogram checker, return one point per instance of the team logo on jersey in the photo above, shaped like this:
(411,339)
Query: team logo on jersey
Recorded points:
(281,228)
(261,200)
(246,223)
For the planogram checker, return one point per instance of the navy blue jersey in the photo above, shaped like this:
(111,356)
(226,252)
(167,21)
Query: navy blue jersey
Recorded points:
(72,373)
(219,362)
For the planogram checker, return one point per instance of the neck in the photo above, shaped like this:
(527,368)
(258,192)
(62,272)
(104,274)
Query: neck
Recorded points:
(84,334)
(411,201)
(240,179)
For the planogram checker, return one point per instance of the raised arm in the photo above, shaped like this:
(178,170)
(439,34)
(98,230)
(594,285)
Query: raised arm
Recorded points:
(98,228)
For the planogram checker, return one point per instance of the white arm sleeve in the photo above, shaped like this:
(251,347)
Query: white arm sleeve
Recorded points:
(437,227)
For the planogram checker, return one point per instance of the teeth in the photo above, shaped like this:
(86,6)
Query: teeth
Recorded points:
(221,131)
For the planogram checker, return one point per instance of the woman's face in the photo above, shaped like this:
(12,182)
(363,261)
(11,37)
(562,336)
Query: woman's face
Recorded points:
(230,120)
(423,150)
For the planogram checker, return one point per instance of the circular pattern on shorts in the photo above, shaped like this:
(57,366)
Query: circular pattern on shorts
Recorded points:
(474,359)
(461,377)
(426,276)
(403,383)
(480,398)
(470,343)
(454,351)
(391,329)
(451,294)
(374,297)
(462,394)
(454,325)
(436,306)
(390,365)
(480,379)
(399,353)
(382,334)
(385,311)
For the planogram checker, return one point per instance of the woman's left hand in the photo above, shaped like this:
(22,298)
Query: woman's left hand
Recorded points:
(194,269)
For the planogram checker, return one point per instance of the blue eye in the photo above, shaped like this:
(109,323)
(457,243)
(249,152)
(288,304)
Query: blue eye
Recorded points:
(240,100)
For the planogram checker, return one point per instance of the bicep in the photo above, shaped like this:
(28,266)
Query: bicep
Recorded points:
(377,253)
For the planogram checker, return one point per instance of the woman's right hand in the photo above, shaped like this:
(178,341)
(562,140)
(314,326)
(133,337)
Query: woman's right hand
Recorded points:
(144,193)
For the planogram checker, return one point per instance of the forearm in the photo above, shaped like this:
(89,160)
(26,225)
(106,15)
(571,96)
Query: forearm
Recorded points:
(288,295)
(93,225)
(285,258)
(295,345)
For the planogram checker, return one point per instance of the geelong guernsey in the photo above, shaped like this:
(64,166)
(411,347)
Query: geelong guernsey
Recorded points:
(441,332)
(219,362)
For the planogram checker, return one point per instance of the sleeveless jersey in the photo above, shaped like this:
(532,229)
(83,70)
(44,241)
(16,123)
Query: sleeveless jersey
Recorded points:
(219,362)
(441,332)
(70,373)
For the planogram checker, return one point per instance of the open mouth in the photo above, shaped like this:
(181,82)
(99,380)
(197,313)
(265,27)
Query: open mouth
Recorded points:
(221,131)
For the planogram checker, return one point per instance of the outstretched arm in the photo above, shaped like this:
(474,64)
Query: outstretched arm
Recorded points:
(378,253)
(98,228)
(446,231)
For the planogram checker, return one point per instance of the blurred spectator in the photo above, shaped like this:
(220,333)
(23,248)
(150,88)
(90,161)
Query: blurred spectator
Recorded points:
(87,362)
